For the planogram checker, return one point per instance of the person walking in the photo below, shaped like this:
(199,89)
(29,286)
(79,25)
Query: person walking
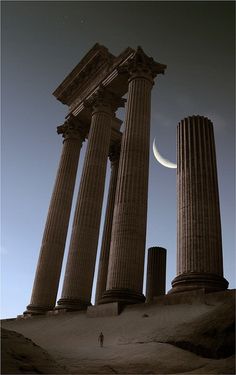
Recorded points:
(101,339)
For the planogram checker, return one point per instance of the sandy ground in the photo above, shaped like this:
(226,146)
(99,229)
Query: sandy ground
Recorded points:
(20,355)
(142,339)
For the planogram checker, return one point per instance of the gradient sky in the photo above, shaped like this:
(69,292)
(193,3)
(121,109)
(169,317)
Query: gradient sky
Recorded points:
(41,44)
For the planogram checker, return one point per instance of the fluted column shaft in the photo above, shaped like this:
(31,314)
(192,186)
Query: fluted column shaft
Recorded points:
(106,238)
(126,262)
(129,221)
(53,243)
(156,273)
(77,287)
(199,248)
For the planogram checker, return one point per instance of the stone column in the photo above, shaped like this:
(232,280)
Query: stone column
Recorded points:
(54,238)
(126,263)
(77,287)
(156,273)
(106,238)
(199,244)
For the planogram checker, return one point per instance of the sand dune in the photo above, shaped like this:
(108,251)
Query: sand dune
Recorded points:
(143,339)
(20,355)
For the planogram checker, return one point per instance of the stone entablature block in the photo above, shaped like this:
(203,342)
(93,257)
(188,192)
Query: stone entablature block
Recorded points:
(97,65)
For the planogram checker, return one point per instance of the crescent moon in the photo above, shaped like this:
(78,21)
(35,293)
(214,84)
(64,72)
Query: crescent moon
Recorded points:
(162,160)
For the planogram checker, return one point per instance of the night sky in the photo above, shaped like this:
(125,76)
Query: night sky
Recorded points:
(41,44)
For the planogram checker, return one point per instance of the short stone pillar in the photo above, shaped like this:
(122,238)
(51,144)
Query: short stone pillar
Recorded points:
(156,273)
(126,262)
(199,243)
(53,243)
(78,281)
(114,156)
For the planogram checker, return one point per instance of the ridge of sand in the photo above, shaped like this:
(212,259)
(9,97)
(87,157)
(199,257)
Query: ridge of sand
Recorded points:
(142,339)
(21,355)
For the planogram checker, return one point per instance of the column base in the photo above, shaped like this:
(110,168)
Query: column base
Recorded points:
(72,304)
(195,280)
(37,310)
(125,296)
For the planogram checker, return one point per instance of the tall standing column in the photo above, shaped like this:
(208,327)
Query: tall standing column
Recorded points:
(199,251)
(77,287)
(52,249)
(126,263)
(106,239)
(156,273)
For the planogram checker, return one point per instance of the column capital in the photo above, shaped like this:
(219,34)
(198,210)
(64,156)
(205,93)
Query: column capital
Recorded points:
(72,129)
(114,153)
(104,100)
(141,65)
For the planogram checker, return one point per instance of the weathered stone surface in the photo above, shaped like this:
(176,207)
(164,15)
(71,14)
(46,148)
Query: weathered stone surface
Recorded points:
(97,67)
(109,309)
(77,287)
(114,156)
(94,63)
(199,252)
(156,273)
(94,87)
(125,271)
(53,243)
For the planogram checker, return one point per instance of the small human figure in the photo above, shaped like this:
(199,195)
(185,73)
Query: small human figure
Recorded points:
(101,339)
